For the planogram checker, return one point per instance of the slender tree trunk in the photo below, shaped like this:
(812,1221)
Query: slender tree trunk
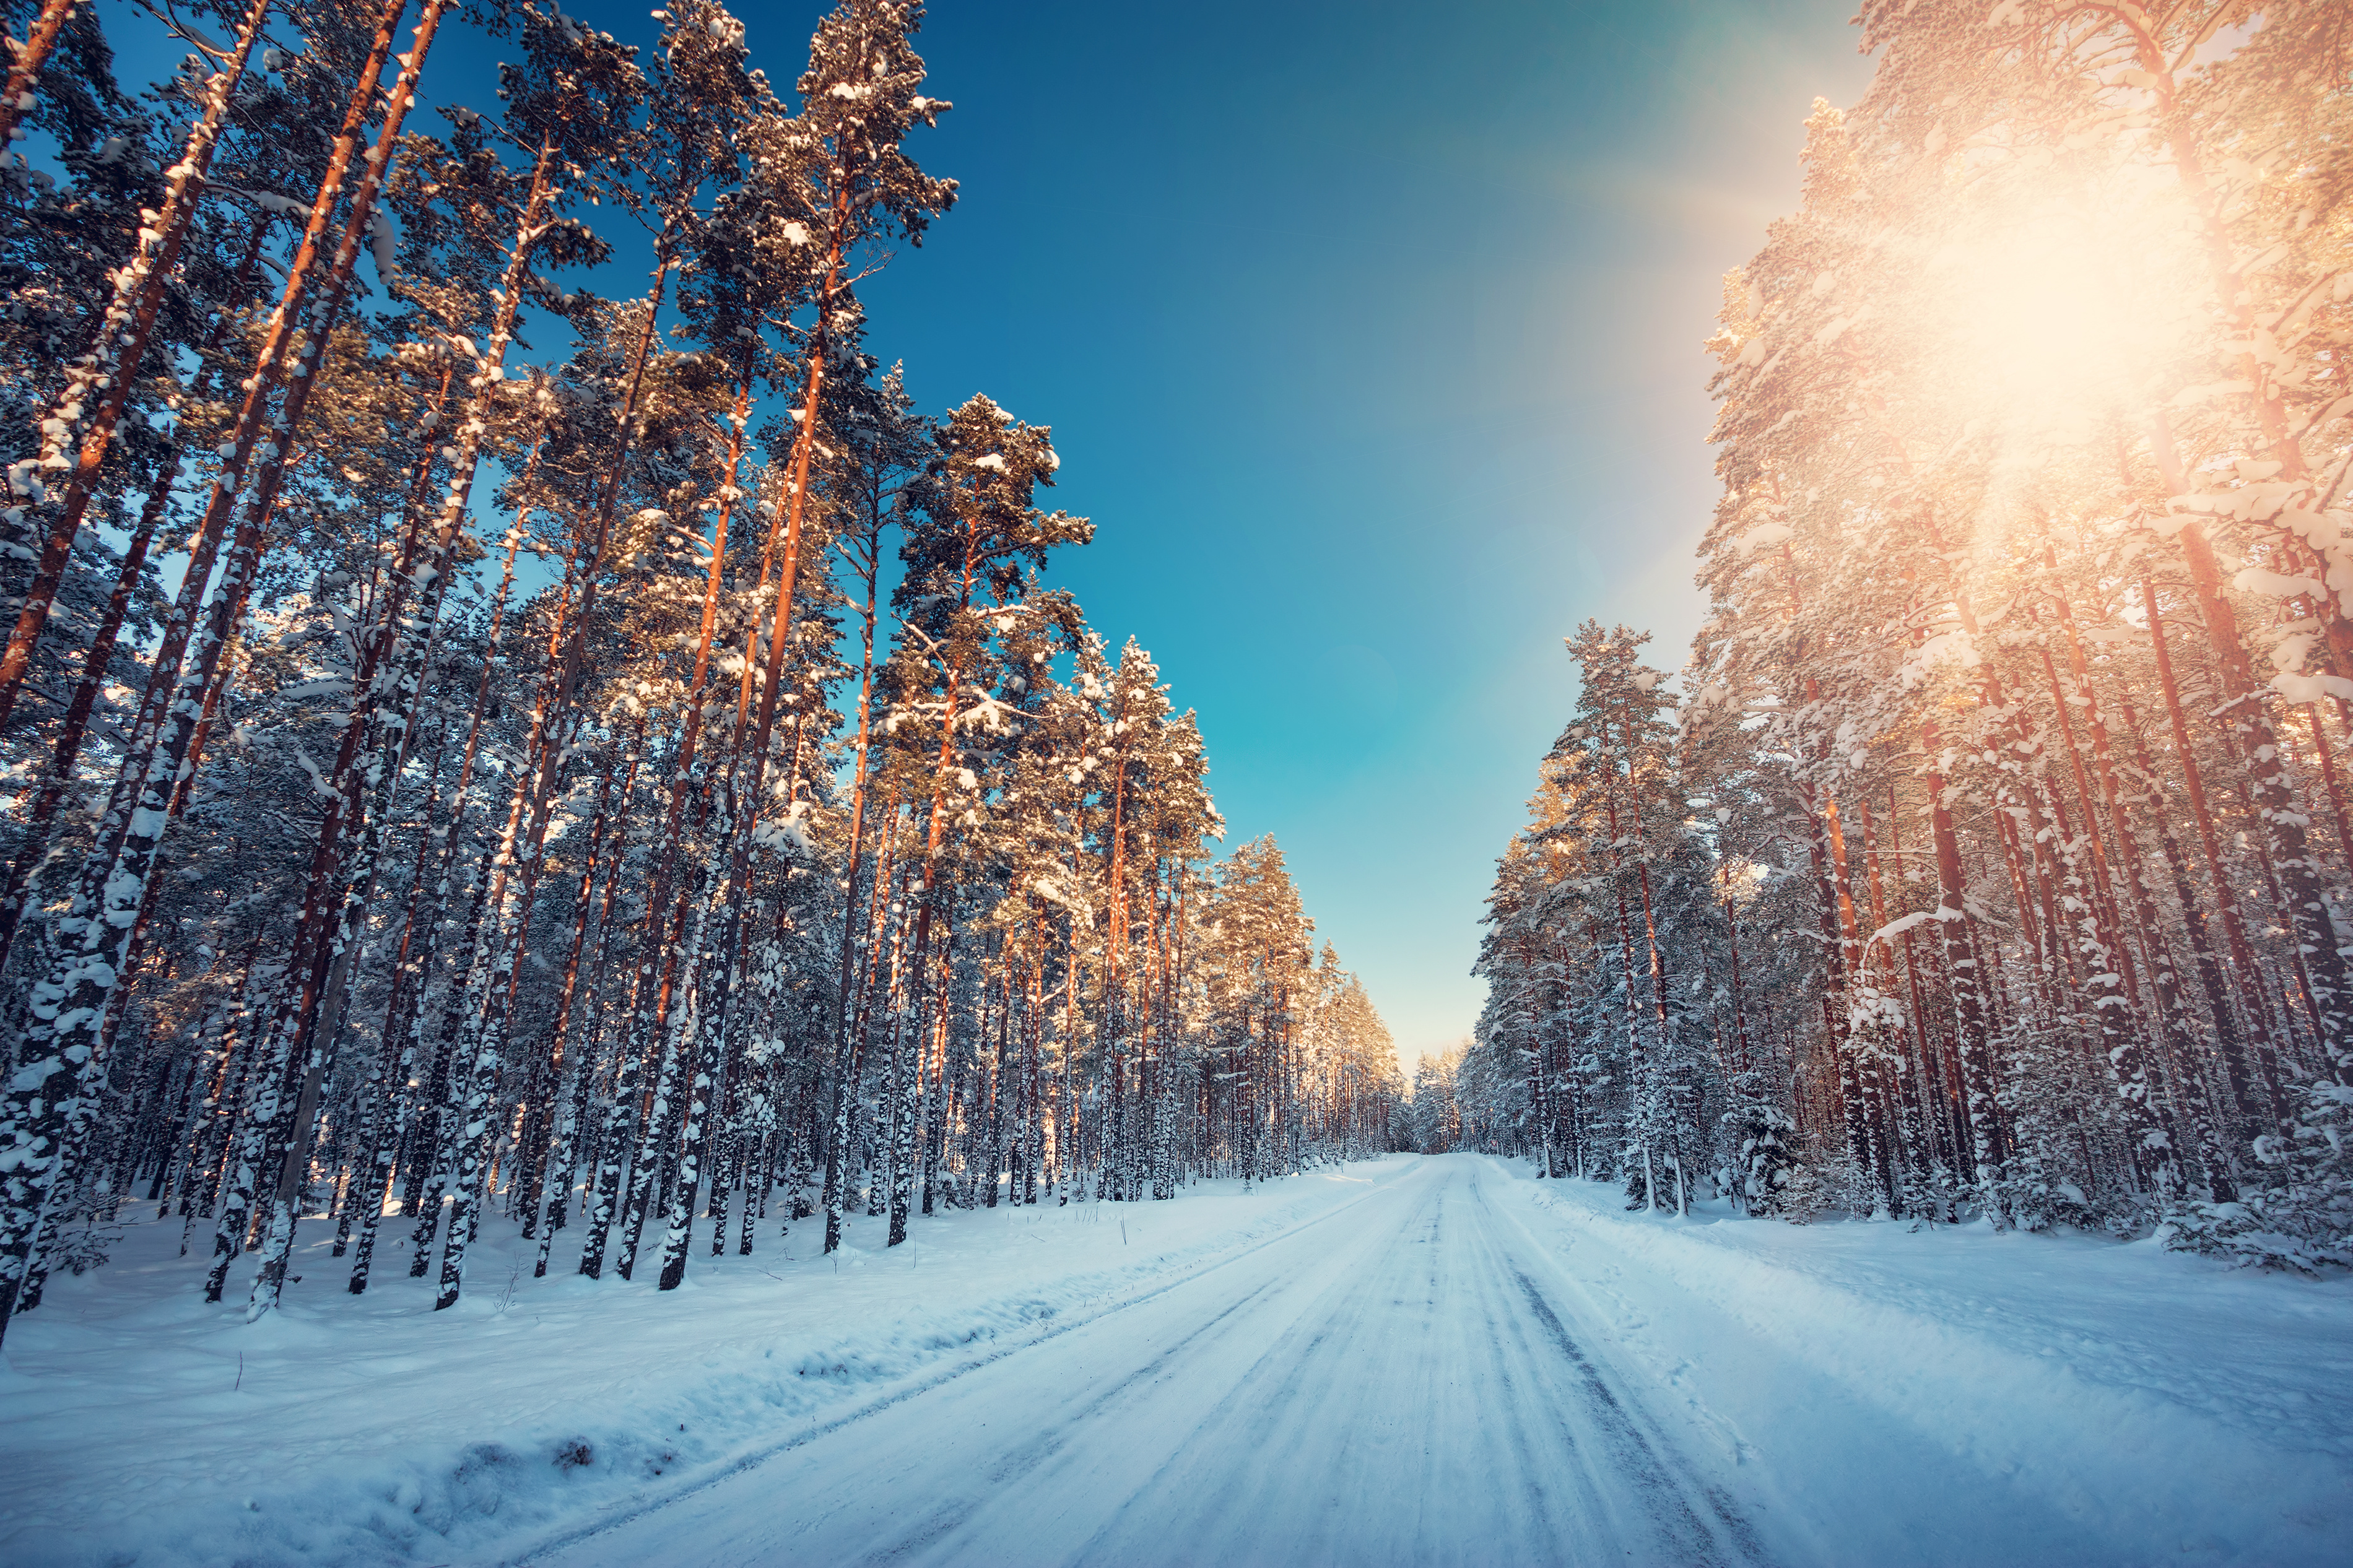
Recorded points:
(2266,771)
(66,750)
(2226,904)
(106,376)
(2149,1122)
(31,54)
(1965,981)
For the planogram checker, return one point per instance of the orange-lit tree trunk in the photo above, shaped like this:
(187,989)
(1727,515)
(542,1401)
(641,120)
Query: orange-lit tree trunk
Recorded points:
(97,387)
(2266,772)
(2226,903)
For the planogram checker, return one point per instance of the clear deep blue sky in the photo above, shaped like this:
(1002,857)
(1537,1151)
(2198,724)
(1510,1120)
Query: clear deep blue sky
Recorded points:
(1369,333)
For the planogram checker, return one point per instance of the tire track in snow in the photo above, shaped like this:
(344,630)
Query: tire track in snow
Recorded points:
(1638,1454)
(1222,1431)
(1037,1452)
(1634,1451)
(564,1539)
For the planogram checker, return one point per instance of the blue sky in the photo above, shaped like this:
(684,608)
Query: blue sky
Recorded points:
(1369,334)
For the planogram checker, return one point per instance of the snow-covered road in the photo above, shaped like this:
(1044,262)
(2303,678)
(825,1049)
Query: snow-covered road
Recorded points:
(1399,1380)
(1412,1378)
(1403,1359)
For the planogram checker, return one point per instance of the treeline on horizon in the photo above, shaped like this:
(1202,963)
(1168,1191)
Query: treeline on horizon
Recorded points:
(710,836)
(1994,860)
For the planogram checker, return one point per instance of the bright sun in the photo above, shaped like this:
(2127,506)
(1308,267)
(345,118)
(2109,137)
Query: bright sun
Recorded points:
(2064,310)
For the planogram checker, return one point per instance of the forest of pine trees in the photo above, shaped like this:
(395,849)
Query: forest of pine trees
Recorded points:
(473,744)
(1991,856)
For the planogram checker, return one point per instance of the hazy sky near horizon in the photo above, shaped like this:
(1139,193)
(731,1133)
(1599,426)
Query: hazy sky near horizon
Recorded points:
(1369,334)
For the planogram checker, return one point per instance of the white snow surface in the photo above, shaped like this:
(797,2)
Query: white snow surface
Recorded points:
(1401,1361)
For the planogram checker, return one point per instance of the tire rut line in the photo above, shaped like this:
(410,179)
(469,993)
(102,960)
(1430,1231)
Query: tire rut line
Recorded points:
(1653,1462)
(730,1468)
(1328,1328)
(1031,1457)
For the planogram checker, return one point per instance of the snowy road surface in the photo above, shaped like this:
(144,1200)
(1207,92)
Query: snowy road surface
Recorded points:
(1414,1378)
(1397,1382)
(1403,1359)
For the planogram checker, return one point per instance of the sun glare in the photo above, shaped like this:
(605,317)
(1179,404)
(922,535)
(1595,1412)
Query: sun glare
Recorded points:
(2060,317)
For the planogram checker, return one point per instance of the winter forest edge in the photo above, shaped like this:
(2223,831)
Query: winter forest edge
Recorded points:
(618,907)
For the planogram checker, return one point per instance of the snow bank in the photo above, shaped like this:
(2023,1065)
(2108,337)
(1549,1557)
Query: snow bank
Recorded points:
(2182,1411)
(139,1426)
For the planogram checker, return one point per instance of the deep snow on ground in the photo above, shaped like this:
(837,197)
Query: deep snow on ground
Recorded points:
(1405,1360)
(2173,1409)
(134,1418)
